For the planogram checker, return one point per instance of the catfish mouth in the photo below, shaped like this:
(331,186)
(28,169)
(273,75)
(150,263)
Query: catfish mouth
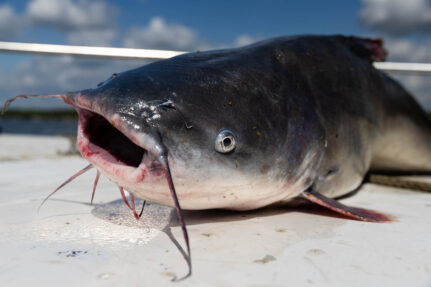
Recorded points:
(114,153)
(102,134)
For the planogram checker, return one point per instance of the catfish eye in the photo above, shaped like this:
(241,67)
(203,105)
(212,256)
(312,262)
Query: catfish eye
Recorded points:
(225,141)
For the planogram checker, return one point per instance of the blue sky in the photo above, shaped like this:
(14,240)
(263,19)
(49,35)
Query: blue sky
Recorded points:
(223,21)
(190,25)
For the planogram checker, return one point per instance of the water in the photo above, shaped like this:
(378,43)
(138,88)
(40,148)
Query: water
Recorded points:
(38,126)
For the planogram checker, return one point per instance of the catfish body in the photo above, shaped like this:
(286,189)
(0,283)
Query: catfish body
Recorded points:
(303,113)
(309,111)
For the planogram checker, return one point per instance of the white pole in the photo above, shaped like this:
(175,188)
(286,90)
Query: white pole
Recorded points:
(403,67)
(88,51)
(128,53)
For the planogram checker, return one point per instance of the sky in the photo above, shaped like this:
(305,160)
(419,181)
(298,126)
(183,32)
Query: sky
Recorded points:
(189,26)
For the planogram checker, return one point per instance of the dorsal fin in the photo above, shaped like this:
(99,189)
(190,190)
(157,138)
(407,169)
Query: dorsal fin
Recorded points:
(368,48)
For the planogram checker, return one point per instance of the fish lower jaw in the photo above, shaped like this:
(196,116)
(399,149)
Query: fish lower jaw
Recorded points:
(109,165)
(215,193)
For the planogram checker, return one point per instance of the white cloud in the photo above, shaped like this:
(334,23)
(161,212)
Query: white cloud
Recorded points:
(405,50)
(92,37)
(9,22)
(71,15)
(159,34)
(397,16)
(397,21)
(48,74)
(162,35)
(243,40)
(84,22)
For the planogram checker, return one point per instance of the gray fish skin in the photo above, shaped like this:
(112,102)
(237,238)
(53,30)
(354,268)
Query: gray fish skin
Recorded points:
(370,121)
(307,111)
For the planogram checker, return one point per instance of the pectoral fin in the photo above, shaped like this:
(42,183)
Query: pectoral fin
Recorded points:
(353,212)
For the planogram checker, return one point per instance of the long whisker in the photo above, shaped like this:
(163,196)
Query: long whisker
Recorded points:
(8,102)
(124,197)
(142,209)
(132,198)
(96,180)
(165,164)
(87,168)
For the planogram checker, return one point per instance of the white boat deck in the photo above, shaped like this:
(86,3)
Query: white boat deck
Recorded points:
(70,243)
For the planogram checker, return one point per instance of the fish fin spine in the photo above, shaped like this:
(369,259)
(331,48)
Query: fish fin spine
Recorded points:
(371,49)
(352,212)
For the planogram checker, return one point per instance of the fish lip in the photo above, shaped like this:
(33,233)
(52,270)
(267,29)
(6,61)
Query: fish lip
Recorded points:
(119,171)
(105,161)
(80,101)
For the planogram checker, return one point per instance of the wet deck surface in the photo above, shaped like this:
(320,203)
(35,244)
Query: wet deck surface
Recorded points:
(71,243)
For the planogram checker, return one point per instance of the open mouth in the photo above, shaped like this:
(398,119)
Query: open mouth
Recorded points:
(101,133)
(125,162)
(109,149)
